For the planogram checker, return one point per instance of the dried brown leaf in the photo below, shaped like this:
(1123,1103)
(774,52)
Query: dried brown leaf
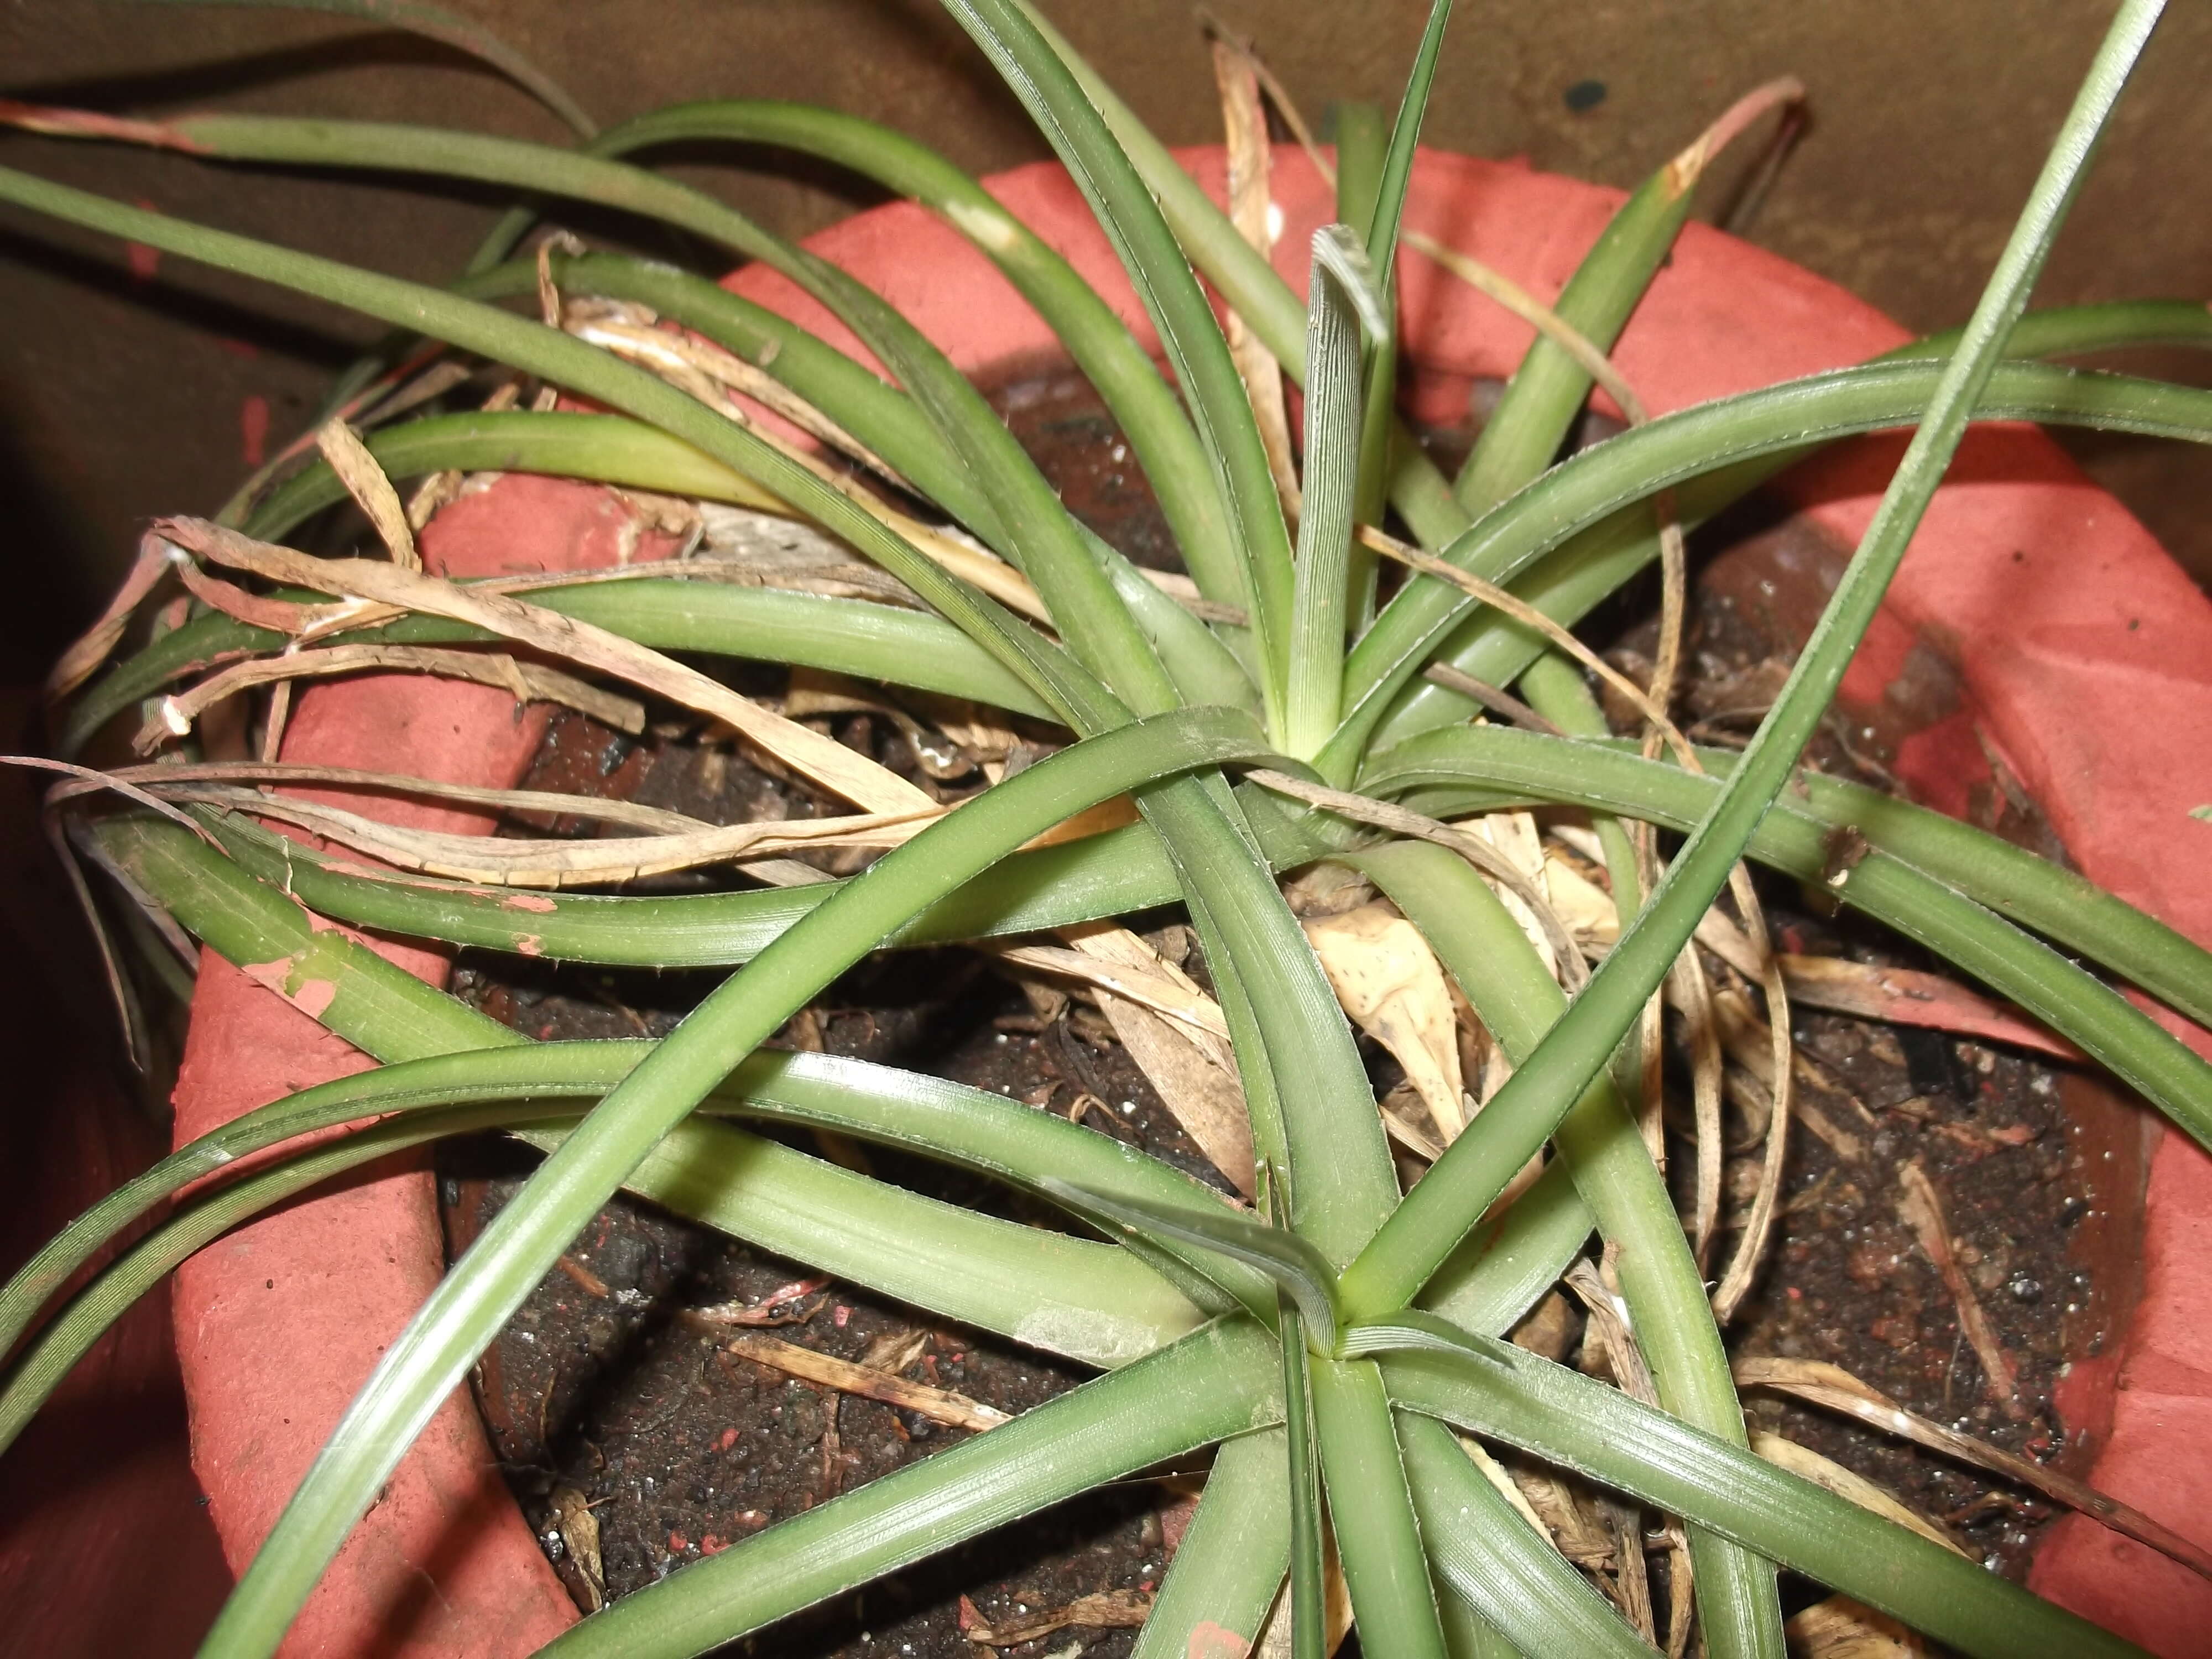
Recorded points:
(528,682)
(1804,1461)
(1186,1057)
(1122,1609)
(1833,1387)
(1388,981)
(822,759)
(1922,1208)
(159,778)
(554,863)
(1906,996)
(372,491)
(938,1405)
(85,654)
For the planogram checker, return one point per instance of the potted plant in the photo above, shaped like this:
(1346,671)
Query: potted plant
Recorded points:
(1332,1335)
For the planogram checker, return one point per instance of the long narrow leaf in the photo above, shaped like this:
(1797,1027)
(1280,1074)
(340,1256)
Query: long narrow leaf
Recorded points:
(1377,1537)
(1422,1230)
(1501,1391)
(1517,767)
(1499,970)
(1309,1637)
(1382,230)
(1514,1577)
(1245,279)
(1296,1267)
(437,23)
(1769,427)
(1216,1382)
(1229,1564)
(1347,320)
(424,1363)
(1171,295)
(1096,338)
(936,1119)
(1043,666)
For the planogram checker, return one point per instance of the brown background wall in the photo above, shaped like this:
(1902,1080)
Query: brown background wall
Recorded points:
(119,396)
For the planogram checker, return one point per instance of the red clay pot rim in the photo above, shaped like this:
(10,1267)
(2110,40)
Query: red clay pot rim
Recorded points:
(2084,654)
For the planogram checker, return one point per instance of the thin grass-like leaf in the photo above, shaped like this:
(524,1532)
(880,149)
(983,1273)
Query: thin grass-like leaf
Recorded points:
(1299,1270)
(1502,1392)
(1348,320)
(1214,1383)
(1179,310)
(1378,1539)
(1230,1564)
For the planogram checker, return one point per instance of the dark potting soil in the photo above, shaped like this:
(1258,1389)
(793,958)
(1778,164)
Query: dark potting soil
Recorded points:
(631,1433)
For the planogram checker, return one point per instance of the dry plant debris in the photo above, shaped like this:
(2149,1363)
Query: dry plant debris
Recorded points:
(955,1410)
(1922,1209)
(1108,1610)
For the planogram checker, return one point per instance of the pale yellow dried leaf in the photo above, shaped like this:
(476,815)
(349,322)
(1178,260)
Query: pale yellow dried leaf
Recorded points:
(1839,1628)
(1175,1033)
(938,1405)
(1250,159)
(526,682)
(822,759)
(372,491)
(1585,907)
(1389,981)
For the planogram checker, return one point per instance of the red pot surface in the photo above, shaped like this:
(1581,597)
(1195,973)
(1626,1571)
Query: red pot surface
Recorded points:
(2083,657)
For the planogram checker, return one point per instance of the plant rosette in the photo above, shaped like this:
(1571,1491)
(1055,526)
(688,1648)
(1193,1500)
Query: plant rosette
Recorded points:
(2074,644)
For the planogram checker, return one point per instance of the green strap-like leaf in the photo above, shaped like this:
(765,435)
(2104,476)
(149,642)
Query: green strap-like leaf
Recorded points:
(1188,329)
(1684,448)
(1214,1383)
(1059,681)
(1381,229)
(1492,961)
(1230,1562)
(1441,1208)
(1126,378)
(483,1290)
(1513,1576)
(1517,767)
(1378,1539)
(1505,1393)
(435,23)
(1308,1617)
(936,1119)
(1297,1268)
(1420,493)
(1348,318)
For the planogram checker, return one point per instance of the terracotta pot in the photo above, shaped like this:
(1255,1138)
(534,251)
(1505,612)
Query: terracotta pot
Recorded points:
(2057,620)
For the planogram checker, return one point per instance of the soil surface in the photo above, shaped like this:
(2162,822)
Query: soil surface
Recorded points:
(636,1442)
